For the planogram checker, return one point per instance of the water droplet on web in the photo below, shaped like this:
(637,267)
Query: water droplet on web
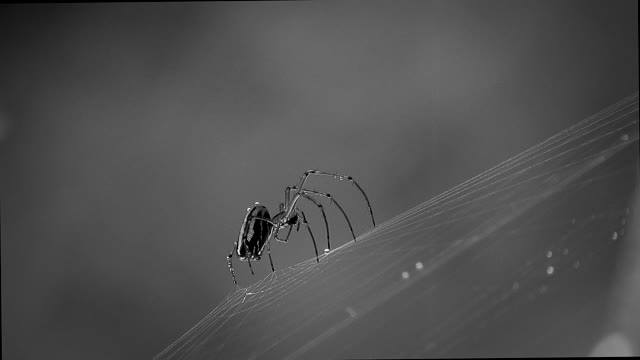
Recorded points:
(614,236)
(257,203)
(326,251)
(405,275)
(248,209)
(419,265)
(550,270)
(549,254)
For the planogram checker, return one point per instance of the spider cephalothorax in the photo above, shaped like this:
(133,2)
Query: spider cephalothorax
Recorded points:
(258,227)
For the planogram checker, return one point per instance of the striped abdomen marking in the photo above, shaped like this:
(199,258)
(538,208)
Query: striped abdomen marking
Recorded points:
(254,233)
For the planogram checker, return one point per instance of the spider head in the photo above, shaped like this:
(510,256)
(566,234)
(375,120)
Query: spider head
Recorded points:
(293,220)
(280,219)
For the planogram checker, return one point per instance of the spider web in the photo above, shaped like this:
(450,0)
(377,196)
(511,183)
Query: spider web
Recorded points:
(505,264)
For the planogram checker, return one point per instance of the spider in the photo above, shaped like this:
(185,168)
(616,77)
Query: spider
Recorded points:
(258,227)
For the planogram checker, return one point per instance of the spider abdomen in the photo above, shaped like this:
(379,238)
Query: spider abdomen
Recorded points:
(254,233)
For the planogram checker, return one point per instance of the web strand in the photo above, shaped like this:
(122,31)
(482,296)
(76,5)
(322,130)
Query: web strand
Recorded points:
(359,277)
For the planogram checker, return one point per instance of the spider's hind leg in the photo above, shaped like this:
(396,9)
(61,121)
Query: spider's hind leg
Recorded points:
(249,261)
(230,265)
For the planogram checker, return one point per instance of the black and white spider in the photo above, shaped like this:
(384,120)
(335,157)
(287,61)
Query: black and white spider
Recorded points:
(258,227)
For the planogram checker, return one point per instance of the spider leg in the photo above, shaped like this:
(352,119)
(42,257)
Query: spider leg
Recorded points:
(233,274)
(287,195)
(304,221)
(318,193)
(269,253)
(288,234)
(340,177)
(324,215)
(249,261)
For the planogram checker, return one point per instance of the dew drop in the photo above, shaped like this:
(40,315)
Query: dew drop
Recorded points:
(248,209)
(419,265)
(614,236)
(550,270)
(405,275)
(549,254)
(257,203)
(326,251)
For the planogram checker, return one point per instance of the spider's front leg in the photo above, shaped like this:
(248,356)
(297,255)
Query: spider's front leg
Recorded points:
(287,197)
(308,173)
(304,221)
(333,201)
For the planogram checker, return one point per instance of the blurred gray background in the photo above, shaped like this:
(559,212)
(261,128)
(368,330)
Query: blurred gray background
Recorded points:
(134,136)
